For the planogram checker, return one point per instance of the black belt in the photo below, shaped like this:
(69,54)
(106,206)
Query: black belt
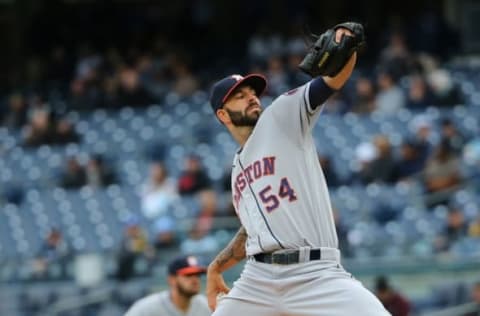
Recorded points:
(286,257)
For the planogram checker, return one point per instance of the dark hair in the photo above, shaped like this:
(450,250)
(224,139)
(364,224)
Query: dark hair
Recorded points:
(381,283)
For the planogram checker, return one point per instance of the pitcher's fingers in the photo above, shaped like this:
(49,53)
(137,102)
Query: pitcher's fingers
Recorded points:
(340,33)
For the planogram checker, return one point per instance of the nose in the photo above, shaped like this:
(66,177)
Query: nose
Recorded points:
(251,96)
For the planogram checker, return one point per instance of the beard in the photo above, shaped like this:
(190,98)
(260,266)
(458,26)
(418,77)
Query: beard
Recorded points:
(243,119)
(183,291)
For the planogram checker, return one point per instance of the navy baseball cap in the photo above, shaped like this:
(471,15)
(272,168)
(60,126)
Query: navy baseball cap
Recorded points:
(223,88)
(185,265)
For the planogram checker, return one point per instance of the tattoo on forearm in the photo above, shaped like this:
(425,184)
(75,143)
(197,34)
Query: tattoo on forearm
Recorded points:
(235,250)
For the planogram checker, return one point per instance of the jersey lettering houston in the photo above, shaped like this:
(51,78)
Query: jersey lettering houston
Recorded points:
(278,188)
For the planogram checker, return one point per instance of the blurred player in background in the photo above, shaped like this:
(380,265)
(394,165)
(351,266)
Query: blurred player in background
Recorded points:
(183,296)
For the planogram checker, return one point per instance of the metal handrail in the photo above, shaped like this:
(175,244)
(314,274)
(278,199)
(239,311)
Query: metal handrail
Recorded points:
(75,302)
(459,310)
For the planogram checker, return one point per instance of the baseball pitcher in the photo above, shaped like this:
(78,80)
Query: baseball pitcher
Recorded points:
(280,195)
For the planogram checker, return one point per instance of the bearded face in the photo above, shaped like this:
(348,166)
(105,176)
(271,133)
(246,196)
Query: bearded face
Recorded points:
(249,117)
(188,286)
(243,107)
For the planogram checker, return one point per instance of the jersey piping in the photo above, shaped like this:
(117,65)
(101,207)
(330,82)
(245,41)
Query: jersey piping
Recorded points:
(260,209)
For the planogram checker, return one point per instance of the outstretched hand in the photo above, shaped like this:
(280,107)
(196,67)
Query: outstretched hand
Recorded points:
(333,50)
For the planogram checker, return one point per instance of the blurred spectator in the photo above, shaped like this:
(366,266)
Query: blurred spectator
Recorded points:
(85,88)
(153,72)
(333,180)
(193,178)
(390,97)
(53,250)
(381,168)
(98,173)
(130,90)
(164,235)
(393,301)
(446,92)
(84,96)
(421,129)
(199,242)
(396,55)
(73,176)
(450,132)
(365,153)
(158,192)
(40,129)
(365,94)
(419,94)
(208,210)
(442,171)
(65,133)
(184,82)
(88,64)
(134,245)
(45,128)
(455,228)
(409,163)
(16,116)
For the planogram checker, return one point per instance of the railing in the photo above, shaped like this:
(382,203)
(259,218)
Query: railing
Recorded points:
(75,302)
(469,309)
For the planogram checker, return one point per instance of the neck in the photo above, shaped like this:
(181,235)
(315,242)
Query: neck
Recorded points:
(241,134)
(180,301)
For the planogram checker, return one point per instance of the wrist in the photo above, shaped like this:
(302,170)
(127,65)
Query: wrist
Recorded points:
(213,267)
(319,92)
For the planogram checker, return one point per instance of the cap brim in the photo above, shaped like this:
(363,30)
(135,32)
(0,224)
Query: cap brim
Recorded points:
(192,270)
(256,81)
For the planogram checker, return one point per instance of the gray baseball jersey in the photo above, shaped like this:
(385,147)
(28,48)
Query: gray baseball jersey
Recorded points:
(278,188)
(160,304)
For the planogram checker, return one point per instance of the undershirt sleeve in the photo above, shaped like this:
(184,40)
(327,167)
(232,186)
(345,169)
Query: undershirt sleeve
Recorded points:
(318,93)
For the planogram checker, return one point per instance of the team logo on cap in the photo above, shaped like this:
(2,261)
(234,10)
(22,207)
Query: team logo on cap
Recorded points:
(192,261)
(237,77)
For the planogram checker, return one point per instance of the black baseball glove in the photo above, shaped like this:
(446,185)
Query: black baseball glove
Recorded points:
(326,57)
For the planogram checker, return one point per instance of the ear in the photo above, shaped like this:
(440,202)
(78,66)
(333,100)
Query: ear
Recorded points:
(171,280)
(223,116)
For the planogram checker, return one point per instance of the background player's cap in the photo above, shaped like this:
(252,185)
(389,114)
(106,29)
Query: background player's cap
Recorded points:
(223,88)
(185,265)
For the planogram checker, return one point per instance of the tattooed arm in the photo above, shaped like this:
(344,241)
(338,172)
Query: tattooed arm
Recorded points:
(233,253)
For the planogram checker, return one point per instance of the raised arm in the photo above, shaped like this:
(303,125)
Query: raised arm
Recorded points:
(339,80)
(331,60)
(323,87)
(232,254)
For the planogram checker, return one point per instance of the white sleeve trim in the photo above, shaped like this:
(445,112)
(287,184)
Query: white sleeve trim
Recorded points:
(310,111)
